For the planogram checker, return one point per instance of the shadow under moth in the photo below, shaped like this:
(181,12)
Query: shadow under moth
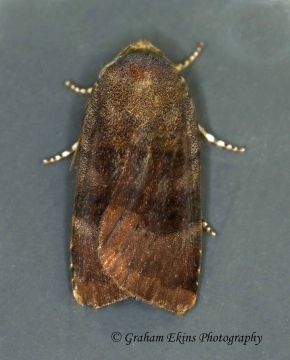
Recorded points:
(137,224)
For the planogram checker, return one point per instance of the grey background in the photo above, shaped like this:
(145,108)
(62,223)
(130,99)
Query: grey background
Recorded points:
(240,85)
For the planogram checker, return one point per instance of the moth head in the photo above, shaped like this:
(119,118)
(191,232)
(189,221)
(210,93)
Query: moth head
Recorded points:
(141,45)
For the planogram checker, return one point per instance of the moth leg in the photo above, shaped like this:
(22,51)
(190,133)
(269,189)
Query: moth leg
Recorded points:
(219,143)
(190,60)
(207,228)
(77,89)
(63,155)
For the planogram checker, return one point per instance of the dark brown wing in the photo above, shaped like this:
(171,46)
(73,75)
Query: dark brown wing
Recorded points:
(150,234)
(91,285)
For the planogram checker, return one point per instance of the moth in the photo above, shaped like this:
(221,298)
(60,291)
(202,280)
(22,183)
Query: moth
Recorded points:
(137,224)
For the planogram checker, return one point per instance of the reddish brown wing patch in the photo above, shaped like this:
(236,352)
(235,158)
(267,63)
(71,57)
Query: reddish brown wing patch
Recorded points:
(137,226)
(150,244)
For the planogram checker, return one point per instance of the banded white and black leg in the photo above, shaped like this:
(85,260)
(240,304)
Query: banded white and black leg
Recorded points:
(219,143)
(207,228)
(63,155)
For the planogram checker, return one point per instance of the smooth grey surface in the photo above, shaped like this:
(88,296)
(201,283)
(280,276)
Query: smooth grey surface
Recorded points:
(240,85)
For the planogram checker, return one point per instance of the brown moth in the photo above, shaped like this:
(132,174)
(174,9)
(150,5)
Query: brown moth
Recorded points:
(137,224)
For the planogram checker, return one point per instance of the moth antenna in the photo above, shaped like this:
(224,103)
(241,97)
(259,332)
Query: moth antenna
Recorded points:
(190,60)
(61,156)
(219,143)
(78,90)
